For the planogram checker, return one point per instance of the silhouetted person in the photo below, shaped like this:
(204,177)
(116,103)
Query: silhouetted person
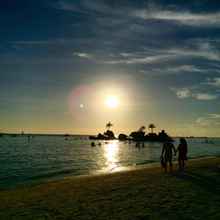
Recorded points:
(137,144)
(182,153)
(167,155)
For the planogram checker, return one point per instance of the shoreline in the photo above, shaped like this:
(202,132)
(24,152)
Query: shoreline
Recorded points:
(142,193)
(150,167)
(155,166)
(97,173)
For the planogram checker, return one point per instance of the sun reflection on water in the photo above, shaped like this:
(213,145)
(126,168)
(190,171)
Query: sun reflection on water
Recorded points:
(111,155)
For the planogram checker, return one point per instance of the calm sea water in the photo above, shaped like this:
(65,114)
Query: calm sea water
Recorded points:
(24,161)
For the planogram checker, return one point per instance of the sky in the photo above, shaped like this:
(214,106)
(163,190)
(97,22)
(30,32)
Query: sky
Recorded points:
(60,59)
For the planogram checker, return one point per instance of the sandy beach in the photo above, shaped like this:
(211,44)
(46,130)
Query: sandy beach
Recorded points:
(144,193)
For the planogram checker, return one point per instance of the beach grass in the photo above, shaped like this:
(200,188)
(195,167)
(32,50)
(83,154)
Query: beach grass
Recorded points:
(140,194)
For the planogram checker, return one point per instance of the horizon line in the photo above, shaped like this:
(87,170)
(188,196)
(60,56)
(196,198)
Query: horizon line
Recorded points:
(70,134)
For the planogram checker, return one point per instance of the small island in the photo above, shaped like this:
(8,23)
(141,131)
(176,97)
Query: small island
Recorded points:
(137,136)
(107,135)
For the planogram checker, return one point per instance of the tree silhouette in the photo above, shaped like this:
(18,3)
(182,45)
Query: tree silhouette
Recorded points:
(142,128)
(151,127)
(109,125)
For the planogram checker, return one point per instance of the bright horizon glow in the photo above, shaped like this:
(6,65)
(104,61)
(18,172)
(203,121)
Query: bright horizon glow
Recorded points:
(112,102)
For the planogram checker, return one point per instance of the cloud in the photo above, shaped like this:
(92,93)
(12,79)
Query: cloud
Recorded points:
(214,82)
(182,17)
(204,96)
(215,116)
(212,120)
(178,69)
(151,12)
(209,55)
(183,93)
(172,54)
(125,54)
(138,60)
(184,68)
(83,55)
(200,91)
(197,49)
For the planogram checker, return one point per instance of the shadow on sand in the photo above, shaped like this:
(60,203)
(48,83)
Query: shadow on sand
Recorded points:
(210,183)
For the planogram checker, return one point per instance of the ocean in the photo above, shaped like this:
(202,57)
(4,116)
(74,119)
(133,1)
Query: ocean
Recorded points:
(41,158)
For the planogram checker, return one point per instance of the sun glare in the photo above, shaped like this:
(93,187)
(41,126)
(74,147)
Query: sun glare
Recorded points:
(111,102)
(111,155)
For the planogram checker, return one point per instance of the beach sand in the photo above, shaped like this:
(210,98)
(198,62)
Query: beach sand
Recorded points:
(139,194)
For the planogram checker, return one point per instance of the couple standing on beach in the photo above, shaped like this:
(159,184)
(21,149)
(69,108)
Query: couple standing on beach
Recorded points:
(167,154)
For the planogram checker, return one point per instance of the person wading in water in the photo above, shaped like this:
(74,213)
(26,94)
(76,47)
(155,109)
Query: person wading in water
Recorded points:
(167,155)
(182,153)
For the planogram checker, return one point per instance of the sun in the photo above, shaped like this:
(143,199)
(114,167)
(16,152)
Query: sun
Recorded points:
(111,101)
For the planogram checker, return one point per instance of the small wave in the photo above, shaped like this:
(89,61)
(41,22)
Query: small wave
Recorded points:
(55,174)
(145,162)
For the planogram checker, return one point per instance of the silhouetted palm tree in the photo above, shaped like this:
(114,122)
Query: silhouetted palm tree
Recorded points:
(151,127)
(109,125)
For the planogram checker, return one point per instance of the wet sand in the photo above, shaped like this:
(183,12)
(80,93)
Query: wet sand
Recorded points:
(138,194)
